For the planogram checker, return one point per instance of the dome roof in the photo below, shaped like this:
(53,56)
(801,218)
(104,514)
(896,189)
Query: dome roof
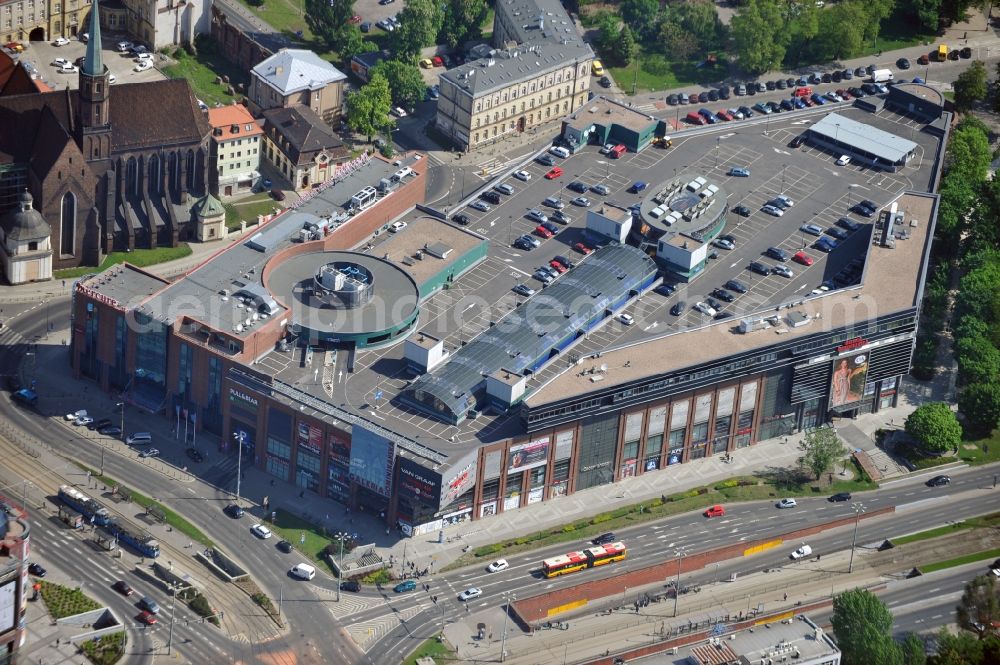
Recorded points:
(209,206)
(25,223)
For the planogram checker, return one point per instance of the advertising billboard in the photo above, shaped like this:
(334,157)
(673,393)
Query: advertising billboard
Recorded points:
(8,612)
(371,460)
(310,437)
(339,448)
(847,386)
(460,478)
(418,483)
(529,455)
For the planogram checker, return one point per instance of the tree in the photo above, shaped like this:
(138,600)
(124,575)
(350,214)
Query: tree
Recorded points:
(755,31)
(608,27)
(914,651)
(641,16)
(925,11)
(980,404)
(978,359)
(406,85)
(960,649)
(699,18)
(980,605)
(368,108)
(862,626)
(462,21)
(330,20)
(970,86)
(624,48)
(935,426)
(419,25)
(677,43)
(842,31)
(820,449)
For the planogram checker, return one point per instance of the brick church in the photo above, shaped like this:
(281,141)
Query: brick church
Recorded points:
(108,167)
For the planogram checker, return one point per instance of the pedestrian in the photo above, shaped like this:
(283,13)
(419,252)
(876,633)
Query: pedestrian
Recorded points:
(786,596)
(302,494)
(272,482)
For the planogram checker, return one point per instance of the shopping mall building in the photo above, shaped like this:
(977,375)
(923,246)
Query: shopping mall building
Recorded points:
(313,349)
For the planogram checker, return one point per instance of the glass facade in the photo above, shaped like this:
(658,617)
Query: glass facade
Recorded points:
(150,351)
(118,376)
(184,373)
(279,446)
(596,454)
(307,469)
(777,413)
(211,415)
(89,365)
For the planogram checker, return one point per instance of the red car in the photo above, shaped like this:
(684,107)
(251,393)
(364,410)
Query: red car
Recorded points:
(438,62)
(17,47)
(147,618)
(355,19)
(544,232)
(559,268)
(843,93)
(803,258)
(582,248)
(554,173)
(715,511)
(724,114)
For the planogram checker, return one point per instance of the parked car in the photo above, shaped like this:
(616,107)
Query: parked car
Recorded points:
(60,41)
(36,569)
(784,271)
(759,268)
(578,186)
(803,258)
(523,176)
(110,430)
(461,218)
(637,187)
(583,248)
(554,173)
(742,211)
(739,172)
(772,210)
(678,308)
(626,319)
(194,455)
(825,244)
(705,308)
(149,452)
(776,253)
(524,290)
(724,244)
(723,295)
(737,286)
(811,229)
(399,226)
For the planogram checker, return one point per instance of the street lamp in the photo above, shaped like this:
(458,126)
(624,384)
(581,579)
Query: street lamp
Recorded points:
(120,405)
(503,637)
(858,509)
(677,580)
(240,438)
(340,535)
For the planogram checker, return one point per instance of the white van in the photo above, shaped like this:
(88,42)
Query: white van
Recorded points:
(303,571)
(139,439)
(559,151)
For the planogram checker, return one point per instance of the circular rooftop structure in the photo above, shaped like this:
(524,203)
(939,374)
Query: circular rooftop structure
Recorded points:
(344,298)
(689,204)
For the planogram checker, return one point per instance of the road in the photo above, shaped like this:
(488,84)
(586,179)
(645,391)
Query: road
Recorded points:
(918,507)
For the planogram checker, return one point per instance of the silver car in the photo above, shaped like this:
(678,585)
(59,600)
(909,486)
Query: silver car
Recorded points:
(479,204)
(537,215)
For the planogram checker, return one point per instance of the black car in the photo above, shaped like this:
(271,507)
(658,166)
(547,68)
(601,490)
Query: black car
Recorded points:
(746,111)
(490,197)
(36,570)
(965,53)
(579,187)
(870,88)
(903,63)
(797,141)
(672,100)
(775,107)
(826,78)
(786,105)
(837,76)
(868,204)
(736,285)
(742,211)
(702,97)
(862,210)
(194,455)
(724,92)
(713,95)
(770,85)
(840,496)
(847,75)
(870,69)
(103,422)
(938,481)
(780,84)
(723,295)
(722,315)
(839,234)
(759,268)
(665,289)
(857,93)
(849,224)
(558,258)
(284,546)
(122,587)
(605,538)
(713,303)
(545,160)
(110,430)
(350,585)
(605,82)
(678,308)
(461,218)
(776,253)
(751,87)
(233,511)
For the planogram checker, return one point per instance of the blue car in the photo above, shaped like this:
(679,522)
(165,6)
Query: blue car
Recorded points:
(638,186)
(817,99)
(798,103)
(709,117)
(825,244)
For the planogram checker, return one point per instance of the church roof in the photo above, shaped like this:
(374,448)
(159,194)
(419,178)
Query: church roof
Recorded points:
(208,206)
(145,115)
(93,65)
(25,223)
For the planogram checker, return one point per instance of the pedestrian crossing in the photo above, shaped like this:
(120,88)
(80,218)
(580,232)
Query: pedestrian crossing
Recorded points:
(349,604)
(367,634)
(15,346)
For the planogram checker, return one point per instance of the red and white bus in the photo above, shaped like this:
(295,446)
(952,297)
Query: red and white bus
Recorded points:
(588,558)
(617,151)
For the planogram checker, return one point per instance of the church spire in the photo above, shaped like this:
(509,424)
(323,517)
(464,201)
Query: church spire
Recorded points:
(92,64)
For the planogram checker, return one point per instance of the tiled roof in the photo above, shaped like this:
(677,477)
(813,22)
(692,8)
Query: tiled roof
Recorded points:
(292,70)
(234,121)
(302,129)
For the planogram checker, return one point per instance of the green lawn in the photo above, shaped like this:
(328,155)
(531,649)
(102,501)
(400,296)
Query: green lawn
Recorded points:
(248,209)
(206,70)
(433,648)
(652,72)
(961,561)
(898,32)
(62,601)
(287,16)
(106,650)
(991,521)
(972,452)
(293,528)
(140,258)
